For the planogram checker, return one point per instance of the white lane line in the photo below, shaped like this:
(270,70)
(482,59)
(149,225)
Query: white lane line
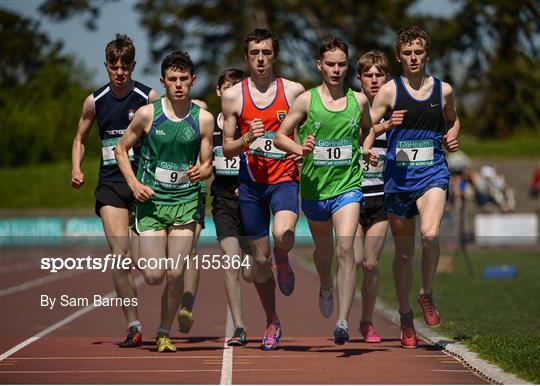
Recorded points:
(40,281)
(227,364)
(77,314)
(143,371)
(161,357)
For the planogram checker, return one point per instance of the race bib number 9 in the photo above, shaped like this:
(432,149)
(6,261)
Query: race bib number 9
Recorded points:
(171,175)
(264,147)
(332,152)
(224,166)
(107,151)
(414,153)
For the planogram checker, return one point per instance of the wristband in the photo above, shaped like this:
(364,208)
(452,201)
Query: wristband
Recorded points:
(245,141)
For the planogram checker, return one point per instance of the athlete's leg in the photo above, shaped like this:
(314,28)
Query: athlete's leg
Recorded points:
(283,229)
(345,222)
(115,223)
(179,244)
(231,248)
(323,238)
(358,247)
(403,233)
(375,236)
(431,208)
(152,248)
(191,275)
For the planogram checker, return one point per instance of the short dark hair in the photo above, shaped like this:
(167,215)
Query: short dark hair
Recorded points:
(179,60)
(120,48)
(372,58)
(232,75)
(258,35)
(331,44)
(409,35)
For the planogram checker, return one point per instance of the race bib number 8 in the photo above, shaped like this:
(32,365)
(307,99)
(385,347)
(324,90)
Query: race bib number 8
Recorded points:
(332,152)
(107,151)
(414,153)
(224,166)
(264,147)
(171,175)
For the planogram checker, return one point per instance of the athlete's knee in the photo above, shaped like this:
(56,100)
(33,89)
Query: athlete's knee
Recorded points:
(153,277)
(370,266)
(345,250)
(404,255)
(174,275)
(429,235)
(284,238)
(120,273)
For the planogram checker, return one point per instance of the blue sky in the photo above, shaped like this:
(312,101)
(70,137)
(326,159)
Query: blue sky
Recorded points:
(88,46)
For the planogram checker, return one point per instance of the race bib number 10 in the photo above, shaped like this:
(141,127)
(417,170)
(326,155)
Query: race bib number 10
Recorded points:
(414,153)
(333,152)
(107,151)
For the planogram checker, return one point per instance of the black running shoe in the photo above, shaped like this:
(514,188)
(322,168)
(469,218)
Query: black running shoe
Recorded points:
(133,338)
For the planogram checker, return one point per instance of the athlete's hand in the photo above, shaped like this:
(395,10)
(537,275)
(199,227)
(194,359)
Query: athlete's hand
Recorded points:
(193,173)
(236,193)
(371,157)
(395,120)
(77,179)
(450,143)
(308,146)
(256,129)
(141,192)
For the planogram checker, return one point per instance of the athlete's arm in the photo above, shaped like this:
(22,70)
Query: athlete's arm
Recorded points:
(142,120)
(153,96)
(203,169)
(86,121)
(200,103)
(383,102)
(292,90)
(296,114)
(230,108)
(366,127)
(451,118)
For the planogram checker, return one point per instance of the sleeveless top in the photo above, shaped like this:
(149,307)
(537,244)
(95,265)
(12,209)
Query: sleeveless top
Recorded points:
(166,154)
(113,116)
(333,167)
(415,156)
(262,162)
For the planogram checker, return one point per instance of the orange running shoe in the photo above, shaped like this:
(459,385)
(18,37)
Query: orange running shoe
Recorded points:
(431,315)
(408,334)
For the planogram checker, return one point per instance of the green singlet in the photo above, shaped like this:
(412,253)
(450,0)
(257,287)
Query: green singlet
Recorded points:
(166,154)
(332,168)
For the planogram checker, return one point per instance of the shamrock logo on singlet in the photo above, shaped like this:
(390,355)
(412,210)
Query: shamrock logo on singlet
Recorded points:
(188,134)
(354,122)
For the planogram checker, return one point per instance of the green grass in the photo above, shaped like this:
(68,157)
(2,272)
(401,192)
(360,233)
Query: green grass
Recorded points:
(498,319)
(519,146)
(49,186)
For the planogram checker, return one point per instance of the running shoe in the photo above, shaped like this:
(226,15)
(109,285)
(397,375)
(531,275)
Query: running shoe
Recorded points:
(285,276)
(408,334)
(326,302)
(431,315)
(368,332)
(164,344)
(341,333)
(271,337)
(238,338)
(185,320)
(133,338)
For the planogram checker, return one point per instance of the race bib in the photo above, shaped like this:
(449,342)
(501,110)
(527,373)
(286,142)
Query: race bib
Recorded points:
(332,152)
(414,153)
(171,175)
(107,151)
(264,147)
(374,171)
(224,166)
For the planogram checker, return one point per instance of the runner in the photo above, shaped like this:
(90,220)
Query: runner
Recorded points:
(416,176)
(331,174)
(268,178)
(227,216)
(176,154)
(372,70)
(113,106)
